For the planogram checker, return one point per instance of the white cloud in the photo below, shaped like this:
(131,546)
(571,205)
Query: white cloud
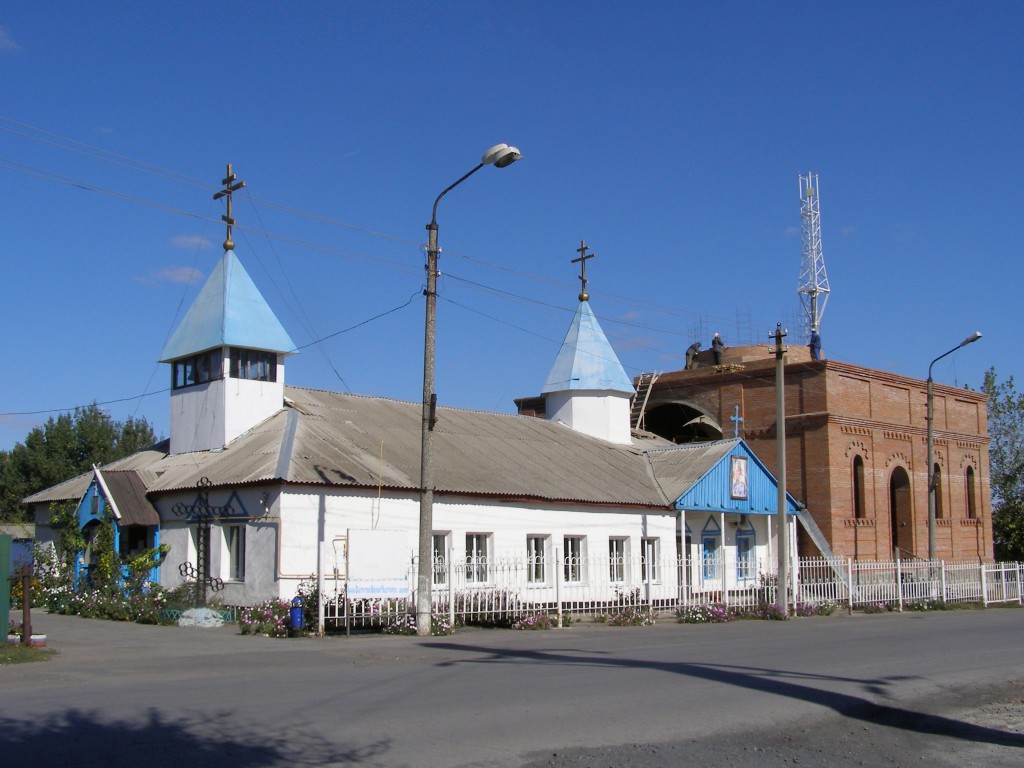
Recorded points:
(191,242)
(7,42)
(183,275)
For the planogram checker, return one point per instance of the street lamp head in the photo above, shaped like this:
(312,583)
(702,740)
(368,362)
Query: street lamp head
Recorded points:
(973,337)
(501,155)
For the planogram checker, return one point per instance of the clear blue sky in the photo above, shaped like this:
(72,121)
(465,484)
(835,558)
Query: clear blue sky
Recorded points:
(669,136)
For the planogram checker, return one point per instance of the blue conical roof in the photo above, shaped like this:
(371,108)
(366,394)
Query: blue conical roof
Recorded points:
(586,360)
(229,311)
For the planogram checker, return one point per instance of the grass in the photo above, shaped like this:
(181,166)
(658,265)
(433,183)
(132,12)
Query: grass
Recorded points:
(15,653)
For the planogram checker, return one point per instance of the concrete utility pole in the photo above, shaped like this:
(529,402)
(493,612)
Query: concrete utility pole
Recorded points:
(931,445)
(780,470)
(500,156)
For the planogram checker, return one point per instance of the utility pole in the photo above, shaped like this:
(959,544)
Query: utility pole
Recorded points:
(780,470)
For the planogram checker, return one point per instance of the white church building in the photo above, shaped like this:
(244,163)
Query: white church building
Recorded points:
(276,483)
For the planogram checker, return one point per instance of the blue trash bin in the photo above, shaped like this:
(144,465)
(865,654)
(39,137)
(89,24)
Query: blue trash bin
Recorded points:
(296,614)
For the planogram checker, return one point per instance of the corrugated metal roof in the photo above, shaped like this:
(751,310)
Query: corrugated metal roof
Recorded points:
(128,493)
(75,488)
(328,438)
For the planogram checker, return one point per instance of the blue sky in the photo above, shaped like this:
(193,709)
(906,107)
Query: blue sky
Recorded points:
(669,136)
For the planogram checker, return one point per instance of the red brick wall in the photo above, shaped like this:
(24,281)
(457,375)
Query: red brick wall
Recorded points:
(836,411)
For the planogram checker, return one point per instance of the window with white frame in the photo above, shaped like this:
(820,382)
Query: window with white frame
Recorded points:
(573,548)
(477,551)
(536,555)
(649,559)
(234,548)
(440,553)
(617,547)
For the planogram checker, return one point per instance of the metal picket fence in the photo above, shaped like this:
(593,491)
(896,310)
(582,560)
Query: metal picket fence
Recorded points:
(500,591)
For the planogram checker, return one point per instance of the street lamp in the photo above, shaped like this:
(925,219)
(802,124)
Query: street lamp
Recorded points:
(500,156)
(931,446)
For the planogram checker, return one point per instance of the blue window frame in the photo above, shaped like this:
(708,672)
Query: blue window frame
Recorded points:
(746,562)
(710,549)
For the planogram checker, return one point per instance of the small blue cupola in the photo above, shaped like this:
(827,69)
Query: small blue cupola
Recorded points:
(587,388)
(226,357)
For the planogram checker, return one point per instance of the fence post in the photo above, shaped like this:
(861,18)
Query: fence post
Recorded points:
(725,566)
(984,585)
(451,588)
(1020,592)
(320,583)
(558,584)
(849,582)
(899,580)
(942,574)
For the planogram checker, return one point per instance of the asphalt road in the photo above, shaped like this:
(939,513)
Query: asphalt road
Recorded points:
(936,689)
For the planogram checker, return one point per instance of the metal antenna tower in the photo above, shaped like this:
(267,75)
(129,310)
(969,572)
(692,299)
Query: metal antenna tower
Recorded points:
(813,287)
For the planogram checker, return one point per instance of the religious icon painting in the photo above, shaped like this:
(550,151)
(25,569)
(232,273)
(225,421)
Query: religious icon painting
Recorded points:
(738,477)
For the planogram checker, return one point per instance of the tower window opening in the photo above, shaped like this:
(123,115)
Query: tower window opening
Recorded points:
(253,364)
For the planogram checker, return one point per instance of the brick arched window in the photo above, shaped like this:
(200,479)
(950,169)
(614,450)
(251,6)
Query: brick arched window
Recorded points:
(858,487)
(972,495)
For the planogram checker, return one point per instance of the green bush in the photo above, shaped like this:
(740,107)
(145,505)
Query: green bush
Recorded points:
(268,618)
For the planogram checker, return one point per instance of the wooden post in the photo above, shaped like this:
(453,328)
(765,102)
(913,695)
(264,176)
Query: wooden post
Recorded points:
(26,605)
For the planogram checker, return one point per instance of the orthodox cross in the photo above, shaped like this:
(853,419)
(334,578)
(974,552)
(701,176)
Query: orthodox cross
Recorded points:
(582,261)
(202,512)
(736,420)
(229,187)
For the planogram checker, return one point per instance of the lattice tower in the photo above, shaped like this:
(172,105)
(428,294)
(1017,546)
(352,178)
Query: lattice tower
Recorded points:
(813,287)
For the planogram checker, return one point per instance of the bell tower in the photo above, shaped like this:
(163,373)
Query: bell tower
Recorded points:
(588,389)
(227,355)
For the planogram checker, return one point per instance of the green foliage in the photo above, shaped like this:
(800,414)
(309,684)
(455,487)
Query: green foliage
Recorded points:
(1006,465)
(880,606)
(64,447)
(405,624)
(927,604)
(535,621)
(824,608)
(709,613)
(20,654)
(269,618)
(632,616)
(765,611)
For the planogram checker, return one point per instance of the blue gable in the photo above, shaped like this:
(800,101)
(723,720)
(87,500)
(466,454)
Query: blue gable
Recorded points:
(738,483)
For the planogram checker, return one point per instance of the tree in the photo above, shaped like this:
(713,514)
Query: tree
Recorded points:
(1006,465)
(64,447)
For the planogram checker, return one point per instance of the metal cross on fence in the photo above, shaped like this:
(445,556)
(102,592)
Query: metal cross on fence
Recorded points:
(202,512)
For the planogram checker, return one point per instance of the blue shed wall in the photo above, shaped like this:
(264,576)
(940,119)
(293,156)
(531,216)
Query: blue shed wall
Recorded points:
(712,492)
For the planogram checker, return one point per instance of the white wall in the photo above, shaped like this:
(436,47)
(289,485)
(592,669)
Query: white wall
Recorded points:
(282,549)
(598,414)
(209,416)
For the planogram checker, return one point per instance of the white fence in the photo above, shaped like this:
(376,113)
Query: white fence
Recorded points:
(501,591)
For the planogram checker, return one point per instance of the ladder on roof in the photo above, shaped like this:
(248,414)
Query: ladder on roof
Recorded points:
(643,392)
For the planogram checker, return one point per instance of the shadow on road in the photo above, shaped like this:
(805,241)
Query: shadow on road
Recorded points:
(773,681)
(84,739)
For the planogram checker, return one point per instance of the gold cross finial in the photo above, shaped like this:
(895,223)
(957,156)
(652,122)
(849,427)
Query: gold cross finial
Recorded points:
(229,187)
(582,251)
